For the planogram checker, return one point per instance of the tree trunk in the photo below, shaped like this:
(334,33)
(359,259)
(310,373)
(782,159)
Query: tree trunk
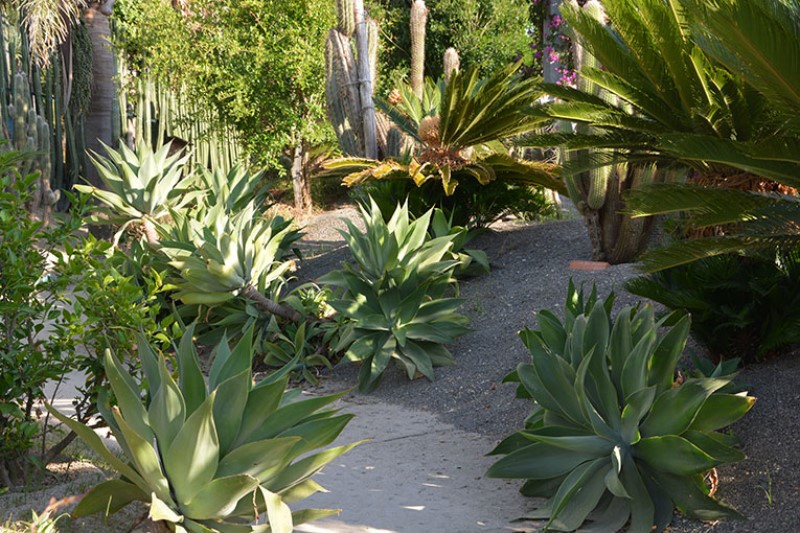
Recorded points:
(300,182)
(98,118)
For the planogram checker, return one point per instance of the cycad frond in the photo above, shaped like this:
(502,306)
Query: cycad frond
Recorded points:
(769,159)
(758,38)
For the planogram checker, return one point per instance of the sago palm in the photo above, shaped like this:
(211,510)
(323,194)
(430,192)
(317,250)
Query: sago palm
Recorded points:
(760,41)
(458,129)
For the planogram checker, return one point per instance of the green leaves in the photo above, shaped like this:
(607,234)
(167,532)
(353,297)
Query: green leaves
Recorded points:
(212,458)
(613,436)
(394,302)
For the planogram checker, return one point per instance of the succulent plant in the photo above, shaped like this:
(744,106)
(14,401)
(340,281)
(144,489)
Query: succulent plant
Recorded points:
(395,298)
(216,455)
(222,256)
(141,186)
(614,438)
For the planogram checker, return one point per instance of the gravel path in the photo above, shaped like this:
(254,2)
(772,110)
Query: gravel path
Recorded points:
(530,271)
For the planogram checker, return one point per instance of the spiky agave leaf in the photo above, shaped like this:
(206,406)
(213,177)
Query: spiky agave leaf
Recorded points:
(214,455)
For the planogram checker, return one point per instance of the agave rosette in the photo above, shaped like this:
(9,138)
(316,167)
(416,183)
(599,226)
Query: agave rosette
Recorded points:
(216,455)
(395,298)
(614,438)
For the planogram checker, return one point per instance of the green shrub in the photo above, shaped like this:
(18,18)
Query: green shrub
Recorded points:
(394,299)
(62,301)
(614,438)
(212,456)
(741,307)
(471,205)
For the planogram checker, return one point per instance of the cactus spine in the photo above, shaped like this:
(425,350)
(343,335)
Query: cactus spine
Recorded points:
(597,193)
(346,15)
(350,80)
(419,17)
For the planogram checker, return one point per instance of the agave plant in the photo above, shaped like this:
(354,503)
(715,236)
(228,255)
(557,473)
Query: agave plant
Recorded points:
(614,438)
(458,134)
(141,187)
(215,455)
(395,298)
(235,189)
(227,255)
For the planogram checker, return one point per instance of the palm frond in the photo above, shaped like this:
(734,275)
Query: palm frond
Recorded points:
(48,23)
(757,161)
(538,173)
(760,39)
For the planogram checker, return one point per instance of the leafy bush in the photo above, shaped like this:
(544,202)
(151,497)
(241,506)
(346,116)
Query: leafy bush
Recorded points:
(741,307)
(394,299)
(614,437)
(471,205)
(212,456)
(61,303)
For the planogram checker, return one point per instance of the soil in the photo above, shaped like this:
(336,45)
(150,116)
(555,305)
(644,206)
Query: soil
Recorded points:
(530,271)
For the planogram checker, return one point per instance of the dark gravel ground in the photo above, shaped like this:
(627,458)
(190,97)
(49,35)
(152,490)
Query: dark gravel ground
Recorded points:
(530,271)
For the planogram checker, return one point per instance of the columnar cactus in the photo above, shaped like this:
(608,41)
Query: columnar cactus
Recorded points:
(350,79)
(452,63)
(30,132)
(419,17)
(597,193)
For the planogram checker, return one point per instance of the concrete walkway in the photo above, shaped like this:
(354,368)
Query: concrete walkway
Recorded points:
(416,475)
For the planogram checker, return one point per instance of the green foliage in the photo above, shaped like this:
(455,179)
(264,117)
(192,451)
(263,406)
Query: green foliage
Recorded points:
(613,438)
(487,34)
(469,260)
(754,40)
(742,307)
(211,456)
(62,301)
(394,299)
(260,63)
(141,186)
(223,255)
(306,344)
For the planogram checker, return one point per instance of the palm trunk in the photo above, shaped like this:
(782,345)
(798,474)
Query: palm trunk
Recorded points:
(98,118)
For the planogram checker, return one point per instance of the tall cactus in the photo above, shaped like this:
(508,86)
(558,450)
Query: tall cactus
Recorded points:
(350,79)
(598,193)
(419,18)
(30,132)
(452,63)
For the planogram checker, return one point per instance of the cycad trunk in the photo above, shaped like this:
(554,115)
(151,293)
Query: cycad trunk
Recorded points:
(98,118)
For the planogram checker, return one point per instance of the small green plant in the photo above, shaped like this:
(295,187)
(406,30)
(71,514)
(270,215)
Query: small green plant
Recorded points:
(614,438)
(212,455)
(395,299)
(469,260)
(741,307)
(768,489)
